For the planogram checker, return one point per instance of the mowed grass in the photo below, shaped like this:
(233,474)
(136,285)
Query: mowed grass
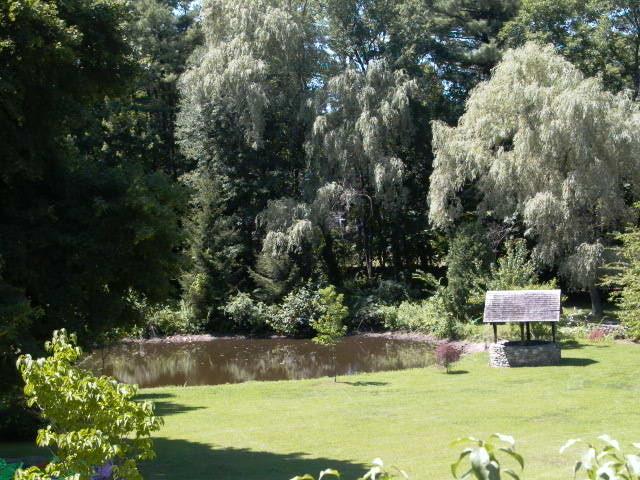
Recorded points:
(274,430)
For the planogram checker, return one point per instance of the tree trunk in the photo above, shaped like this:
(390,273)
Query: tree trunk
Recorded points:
(596,302)
(333,270)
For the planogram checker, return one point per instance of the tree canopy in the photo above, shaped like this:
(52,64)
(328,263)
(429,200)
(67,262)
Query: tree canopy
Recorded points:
(541,141)
(182,165)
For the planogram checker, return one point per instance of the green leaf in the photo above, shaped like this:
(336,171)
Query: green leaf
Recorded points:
(463,455)
(463,441)
(569,444)
(633,463)
(576,468)
(479,458)
(513,454)
(512,474)
(329,471)
(504,438)
(610,441)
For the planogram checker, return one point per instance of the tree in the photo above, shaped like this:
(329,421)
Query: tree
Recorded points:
(243,117)
(541,142)
(93,421)
(17,317)
(55,58)
(328,325)
(598,36)
(214,250)
(458,37)
(87,222)
(468,261)
(514,269)
(363,123)
(163,34)
(625,277)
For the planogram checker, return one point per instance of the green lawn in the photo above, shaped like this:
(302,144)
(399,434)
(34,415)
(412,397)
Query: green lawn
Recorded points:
(274,430)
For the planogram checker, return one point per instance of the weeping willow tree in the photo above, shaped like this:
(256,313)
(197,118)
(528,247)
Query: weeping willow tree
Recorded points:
(242,122)
(355,187)
(540,141)
(295,228)
(362,128)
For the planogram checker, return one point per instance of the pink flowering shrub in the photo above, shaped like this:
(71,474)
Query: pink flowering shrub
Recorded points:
(597,335)
(447,354)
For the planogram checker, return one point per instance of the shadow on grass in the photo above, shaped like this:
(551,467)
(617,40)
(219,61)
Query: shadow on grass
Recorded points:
(576,362)
(365,384)
(457,372)
(574,345)
(181,459)
(165,408)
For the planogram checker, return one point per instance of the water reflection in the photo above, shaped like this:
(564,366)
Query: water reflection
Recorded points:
(240,360)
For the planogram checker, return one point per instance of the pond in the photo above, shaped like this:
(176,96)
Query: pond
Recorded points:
(235,360)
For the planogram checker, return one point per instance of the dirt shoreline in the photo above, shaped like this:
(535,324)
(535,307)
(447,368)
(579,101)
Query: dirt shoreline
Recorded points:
(467,347)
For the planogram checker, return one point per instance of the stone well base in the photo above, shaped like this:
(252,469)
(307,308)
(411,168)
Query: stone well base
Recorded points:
(517,354)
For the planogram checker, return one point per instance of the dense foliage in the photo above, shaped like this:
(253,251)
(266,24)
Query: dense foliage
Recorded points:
(178,166)
(550,147)
(625,277)
(89,206)
(329,324)
(92,421)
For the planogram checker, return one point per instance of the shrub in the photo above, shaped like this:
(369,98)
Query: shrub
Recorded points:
(93,421)
(513,270)
(390,292)
(606,461)
(388,315)
(597,335)
(296,313)
(171,320)
(368,312)
(332,312)
(447,354)
(626,278)
(374,306)
(431,316)
(482,455)
(245,313)
(468,263)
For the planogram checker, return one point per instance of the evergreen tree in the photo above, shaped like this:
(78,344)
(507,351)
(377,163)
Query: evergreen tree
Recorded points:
(625,277)
(601,37)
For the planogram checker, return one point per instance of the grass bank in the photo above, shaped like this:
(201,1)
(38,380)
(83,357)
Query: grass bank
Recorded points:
(274,430)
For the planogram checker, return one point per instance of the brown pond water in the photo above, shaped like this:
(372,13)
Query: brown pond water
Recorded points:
(217,361)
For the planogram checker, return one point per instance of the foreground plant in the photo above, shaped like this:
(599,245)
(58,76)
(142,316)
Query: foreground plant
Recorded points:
(329,326)
(447,354)
(377,471)
(482,455)
(94,423)
(606,461)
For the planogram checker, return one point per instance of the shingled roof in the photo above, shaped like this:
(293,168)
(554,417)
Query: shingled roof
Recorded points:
(520,306)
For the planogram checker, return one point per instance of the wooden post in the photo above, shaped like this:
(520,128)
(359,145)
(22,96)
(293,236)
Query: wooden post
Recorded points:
(495,333)
(528,332)
(553,331)
(522,332)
